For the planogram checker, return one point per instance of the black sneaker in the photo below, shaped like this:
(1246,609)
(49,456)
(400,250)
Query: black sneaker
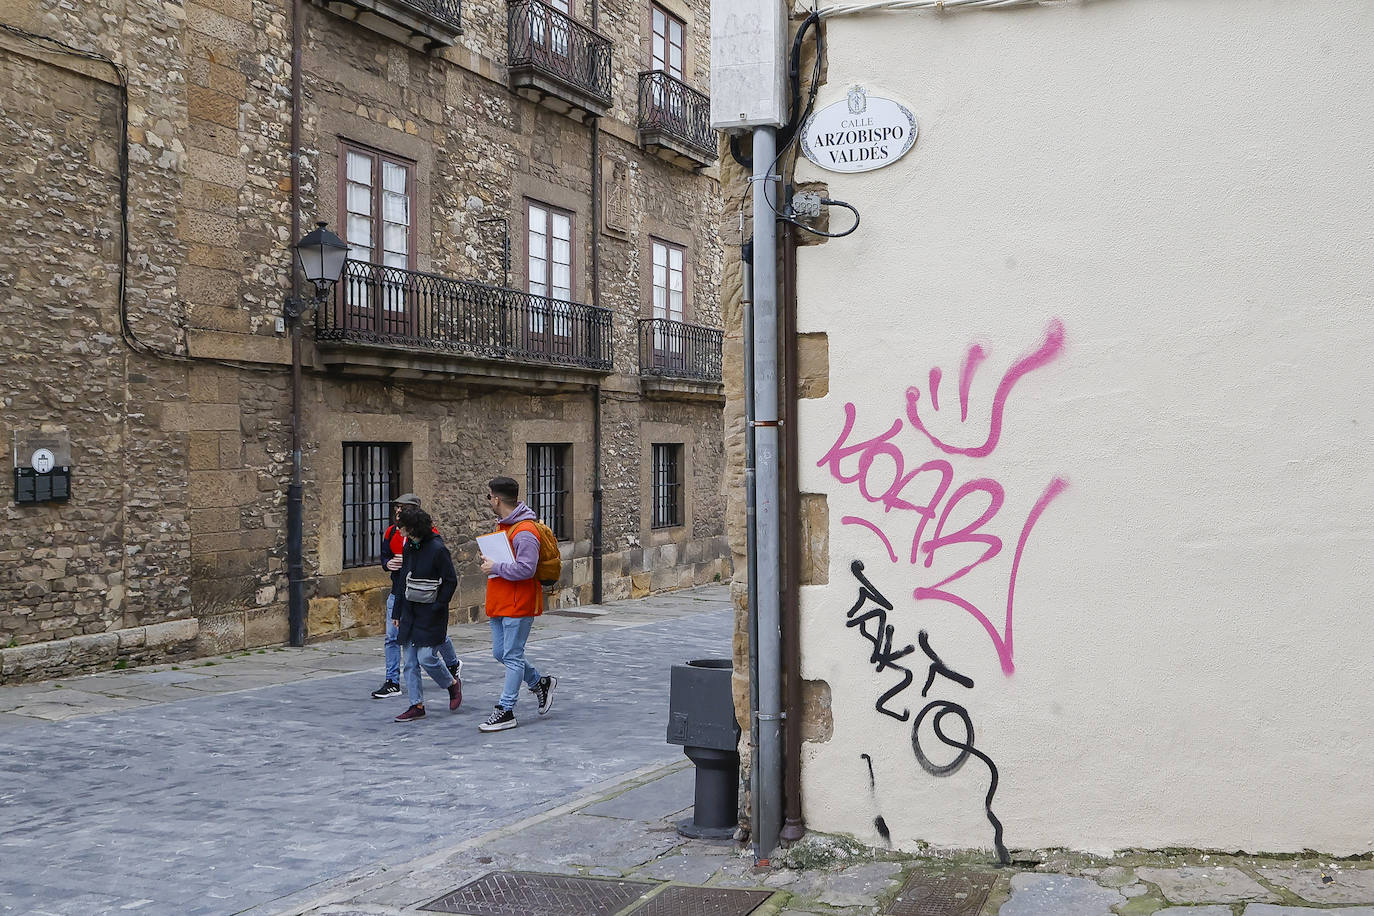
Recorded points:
(388,689)
(543,691)
(499,720)
(456,669)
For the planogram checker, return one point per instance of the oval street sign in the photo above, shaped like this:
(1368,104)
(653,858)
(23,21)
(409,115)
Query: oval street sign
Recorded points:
(860,133)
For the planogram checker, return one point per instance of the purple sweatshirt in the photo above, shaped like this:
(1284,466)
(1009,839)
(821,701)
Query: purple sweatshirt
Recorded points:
(525,546)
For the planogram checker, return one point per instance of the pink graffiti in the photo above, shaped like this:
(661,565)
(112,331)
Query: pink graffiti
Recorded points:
(1042,356)
(1002,641)
(883,474)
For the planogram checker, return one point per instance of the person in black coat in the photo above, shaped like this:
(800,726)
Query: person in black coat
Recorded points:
(423,623)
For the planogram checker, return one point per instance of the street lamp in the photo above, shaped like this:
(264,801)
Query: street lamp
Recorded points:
(321,255)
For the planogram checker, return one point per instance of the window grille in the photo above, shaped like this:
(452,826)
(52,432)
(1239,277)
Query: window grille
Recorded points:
(667,485)
(546,485)
(371,483)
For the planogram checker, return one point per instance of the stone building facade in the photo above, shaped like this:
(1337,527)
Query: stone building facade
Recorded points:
(534,221)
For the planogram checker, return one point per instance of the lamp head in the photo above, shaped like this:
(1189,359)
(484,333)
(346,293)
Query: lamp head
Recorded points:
(322,255)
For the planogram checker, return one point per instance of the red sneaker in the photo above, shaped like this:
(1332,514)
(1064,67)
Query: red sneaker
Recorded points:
(455,695)
(411,714)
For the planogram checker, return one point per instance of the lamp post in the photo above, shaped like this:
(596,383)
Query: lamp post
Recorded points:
(321,255)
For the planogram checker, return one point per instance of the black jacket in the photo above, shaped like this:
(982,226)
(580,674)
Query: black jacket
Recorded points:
(425,624)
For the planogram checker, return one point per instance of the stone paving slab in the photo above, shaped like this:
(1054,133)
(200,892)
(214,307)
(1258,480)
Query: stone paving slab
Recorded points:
(1269,909)
(1346,885)
(1205,884)
(1217,910)
(1059,895)
(653,801)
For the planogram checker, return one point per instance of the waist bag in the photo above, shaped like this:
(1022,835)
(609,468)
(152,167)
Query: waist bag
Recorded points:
(421,591)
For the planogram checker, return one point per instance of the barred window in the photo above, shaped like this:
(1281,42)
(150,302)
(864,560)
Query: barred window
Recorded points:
(371,483)
(546,485)
(667,485)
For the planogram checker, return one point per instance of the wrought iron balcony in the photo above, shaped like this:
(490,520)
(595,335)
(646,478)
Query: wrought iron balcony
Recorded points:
(557,61)
(419,311)
(675,120)
(676,350)
(424,24)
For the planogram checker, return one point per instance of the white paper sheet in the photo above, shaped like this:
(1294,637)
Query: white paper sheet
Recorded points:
(495,547)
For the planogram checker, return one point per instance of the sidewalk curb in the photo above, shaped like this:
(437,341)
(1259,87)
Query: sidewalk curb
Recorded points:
(348,886)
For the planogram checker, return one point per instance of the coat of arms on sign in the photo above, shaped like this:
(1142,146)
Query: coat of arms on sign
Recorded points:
(858,99)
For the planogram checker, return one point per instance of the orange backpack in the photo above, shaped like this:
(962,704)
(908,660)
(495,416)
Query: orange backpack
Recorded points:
(550,566)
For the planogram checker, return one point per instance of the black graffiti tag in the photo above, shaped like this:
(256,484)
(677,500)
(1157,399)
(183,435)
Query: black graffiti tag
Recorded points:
(941,709)
(873,626)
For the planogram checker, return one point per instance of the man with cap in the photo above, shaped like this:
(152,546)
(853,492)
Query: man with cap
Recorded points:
(393,541)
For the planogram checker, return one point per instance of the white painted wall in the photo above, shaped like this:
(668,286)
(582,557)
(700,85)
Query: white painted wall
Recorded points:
(1188,186)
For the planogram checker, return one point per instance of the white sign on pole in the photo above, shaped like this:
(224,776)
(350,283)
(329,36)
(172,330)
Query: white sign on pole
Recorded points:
(859,133)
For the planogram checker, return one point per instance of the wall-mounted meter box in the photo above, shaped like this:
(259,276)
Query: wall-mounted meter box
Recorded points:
(748,64)
(42,467)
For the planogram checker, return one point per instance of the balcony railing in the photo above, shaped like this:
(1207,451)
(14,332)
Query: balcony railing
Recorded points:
(673,349)
(448,12)
(672,111)
(554,54)
(386,305)
(424,24)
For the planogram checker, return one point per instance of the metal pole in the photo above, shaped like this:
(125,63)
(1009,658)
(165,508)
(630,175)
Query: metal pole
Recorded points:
(295,510)
(765,382)
(793,828)
(751,551)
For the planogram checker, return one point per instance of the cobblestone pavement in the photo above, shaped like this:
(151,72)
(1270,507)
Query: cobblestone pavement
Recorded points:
(270,783)
(219,785)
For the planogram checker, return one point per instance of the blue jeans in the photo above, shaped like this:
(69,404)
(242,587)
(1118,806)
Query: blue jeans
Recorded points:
(426,657)
(508,635)
(393,651)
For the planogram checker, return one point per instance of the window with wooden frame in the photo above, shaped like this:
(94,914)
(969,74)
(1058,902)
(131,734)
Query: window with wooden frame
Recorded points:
(668,262)
(669,37)
(666,481)
(377,199)
(546,485)
(371,483)
(550,274)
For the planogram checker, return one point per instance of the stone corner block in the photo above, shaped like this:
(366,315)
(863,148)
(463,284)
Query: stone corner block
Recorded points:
(171,632)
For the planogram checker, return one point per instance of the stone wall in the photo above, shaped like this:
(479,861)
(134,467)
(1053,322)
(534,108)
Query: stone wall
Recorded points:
(180,417)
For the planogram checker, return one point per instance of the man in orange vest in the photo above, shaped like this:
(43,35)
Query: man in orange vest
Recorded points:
(514,599)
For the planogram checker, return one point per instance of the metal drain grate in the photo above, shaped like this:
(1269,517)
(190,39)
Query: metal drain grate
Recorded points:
(513,893)
(701,901)
(928,892)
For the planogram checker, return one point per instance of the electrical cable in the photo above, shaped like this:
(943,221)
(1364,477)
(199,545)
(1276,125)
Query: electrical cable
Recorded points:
(789,132)
(830,235)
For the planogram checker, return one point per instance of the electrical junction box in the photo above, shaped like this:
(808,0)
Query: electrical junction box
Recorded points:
(748,64)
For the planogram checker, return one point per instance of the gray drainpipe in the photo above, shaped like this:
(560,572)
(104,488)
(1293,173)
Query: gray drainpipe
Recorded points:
(765,382)
(295,503)
(598,549)
(751,551)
